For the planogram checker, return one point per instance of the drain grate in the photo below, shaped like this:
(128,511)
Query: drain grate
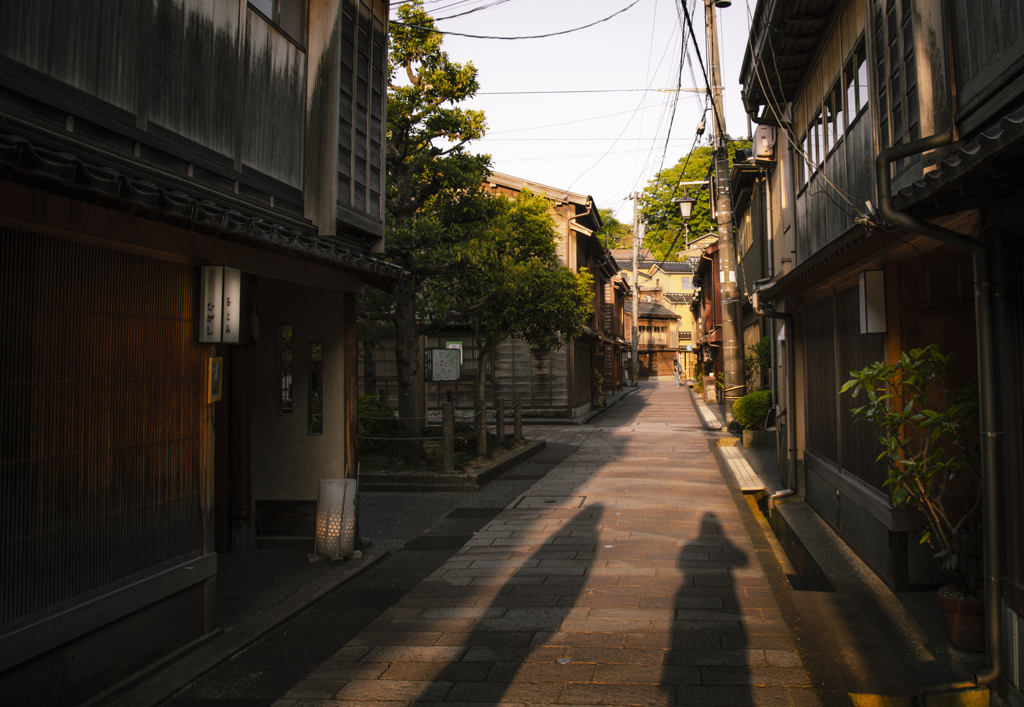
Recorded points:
(437,542)
(551,502)
(215,702)
(485,513)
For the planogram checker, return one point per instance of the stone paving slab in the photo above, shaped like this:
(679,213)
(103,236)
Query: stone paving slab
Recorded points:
(624,577)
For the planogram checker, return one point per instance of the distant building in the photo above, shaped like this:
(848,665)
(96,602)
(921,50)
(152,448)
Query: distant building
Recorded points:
(667,283)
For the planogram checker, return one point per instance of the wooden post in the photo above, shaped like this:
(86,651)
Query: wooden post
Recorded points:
(499,419)
(481,426)
(448,426)
(518,435)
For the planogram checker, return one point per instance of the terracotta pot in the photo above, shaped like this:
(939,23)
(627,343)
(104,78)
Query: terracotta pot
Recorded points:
(758,438)
(966,621)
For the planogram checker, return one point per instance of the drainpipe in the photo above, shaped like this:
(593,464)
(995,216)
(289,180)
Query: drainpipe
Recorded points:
(790,393)
(988,414)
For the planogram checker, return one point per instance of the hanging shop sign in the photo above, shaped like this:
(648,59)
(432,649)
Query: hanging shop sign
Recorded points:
(221,300)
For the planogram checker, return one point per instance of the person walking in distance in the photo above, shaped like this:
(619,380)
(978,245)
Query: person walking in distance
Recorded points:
(676,370)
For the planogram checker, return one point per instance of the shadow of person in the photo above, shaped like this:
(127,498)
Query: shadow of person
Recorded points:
(507,657)
(708,662)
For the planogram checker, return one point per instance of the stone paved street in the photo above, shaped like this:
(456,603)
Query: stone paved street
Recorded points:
(624,577)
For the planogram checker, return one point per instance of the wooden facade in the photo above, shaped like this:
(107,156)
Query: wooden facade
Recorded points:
(858,77)
(561,383)
(670,284)
(139,143)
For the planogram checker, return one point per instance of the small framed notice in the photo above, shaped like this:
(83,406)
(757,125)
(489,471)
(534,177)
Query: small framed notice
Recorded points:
(216,390)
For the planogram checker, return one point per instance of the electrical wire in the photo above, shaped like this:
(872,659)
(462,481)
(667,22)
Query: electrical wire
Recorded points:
(797,148)
(475,9)
(647,72)
(570,122)
(624,128)
(577,90)
(718,120)
(532,36)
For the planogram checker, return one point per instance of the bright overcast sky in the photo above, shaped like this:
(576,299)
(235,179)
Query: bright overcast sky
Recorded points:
(604,144)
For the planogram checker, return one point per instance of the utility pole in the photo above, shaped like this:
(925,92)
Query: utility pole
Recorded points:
(732,355)
(634,366)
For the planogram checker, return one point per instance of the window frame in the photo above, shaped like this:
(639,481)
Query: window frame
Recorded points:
(279,20)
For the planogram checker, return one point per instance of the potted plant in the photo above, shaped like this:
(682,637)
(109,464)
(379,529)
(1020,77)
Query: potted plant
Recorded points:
(751,411)
(934,465)
(599,394)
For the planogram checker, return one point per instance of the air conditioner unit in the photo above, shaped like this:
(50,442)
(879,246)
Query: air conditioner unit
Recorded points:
(764,142)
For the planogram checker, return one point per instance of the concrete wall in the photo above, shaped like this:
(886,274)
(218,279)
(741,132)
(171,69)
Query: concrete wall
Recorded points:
(287,461)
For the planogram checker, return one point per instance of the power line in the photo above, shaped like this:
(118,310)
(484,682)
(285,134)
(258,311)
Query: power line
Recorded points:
(569,122)
(574,139)
(533,36)
(586,90)
(475,9)
(700,60)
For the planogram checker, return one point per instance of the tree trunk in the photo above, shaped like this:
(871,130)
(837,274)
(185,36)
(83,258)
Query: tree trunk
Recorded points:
(370,367)
(480,393)
(407,357)
(480,383)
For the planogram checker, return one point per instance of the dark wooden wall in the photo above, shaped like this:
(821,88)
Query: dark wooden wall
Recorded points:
(988,39)
(822,213)
(207,91)
(362,107)
(102,417)
(1011,360)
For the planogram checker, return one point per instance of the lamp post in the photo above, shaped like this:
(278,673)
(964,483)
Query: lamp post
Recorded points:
(732,362)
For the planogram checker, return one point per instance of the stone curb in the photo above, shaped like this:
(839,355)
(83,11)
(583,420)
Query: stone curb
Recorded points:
(158,683)
(468,483)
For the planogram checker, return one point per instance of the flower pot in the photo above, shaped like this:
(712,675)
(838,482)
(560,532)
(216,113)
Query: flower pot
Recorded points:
(965,619)
(758,438)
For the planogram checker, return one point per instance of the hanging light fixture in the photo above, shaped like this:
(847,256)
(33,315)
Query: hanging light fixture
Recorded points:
(685,206)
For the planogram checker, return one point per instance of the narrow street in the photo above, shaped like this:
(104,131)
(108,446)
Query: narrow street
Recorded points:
(627,575)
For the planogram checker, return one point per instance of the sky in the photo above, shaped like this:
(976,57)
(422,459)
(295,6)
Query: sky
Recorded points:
(595,118)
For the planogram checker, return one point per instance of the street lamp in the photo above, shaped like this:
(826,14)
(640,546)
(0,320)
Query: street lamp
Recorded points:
(685,206)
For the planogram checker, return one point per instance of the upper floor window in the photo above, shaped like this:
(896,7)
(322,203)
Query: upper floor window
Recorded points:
(834,125)
(288,15)
(855,75)
(896,75)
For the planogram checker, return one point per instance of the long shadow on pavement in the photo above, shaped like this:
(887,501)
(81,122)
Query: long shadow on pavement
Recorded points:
(708,661)
(506,659)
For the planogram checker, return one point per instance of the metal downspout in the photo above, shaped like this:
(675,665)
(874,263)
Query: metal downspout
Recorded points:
(986,380)
(790,387)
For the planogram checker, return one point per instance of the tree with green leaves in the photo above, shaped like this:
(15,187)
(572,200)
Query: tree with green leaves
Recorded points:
(470,257)
(434,201)
(660,213)
(614,232)
(513,285)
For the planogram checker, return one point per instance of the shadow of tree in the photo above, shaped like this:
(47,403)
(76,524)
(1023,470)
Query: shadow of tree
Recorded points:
(507,659)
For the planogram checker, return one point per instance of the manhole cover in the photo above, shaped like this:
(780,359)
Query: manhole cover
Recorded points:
(486,513)
(437,542)
(551,502)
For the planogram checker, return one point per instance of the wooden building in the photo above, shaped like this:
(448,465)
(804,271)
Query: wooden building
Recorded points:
(706,310)
(561,383)
(669,283)
(150,408)
(831,90)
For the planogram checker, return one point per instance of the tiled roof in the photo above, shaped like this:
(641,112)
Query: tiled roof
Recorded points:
(1008,133)
(679,297)
(20,153)
(652,309)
